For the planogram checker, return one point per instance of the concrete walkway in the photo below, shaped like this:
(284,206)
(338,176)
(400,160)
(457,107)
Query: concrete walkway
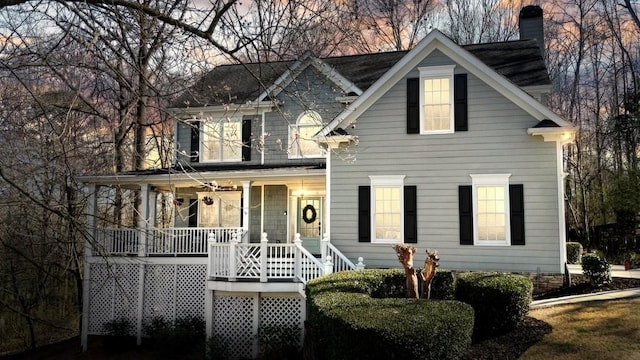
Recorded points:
(616,271)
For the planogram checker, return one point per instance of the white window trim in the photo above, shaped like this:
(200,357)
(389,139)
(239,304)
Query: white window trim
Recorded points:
(222,142)
(386,181)
(297,127)
(437,72)
(495,180)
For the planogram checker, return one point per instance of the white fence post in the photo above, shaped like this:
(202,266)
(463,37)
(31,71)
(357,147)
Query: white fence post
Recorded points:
(328,266)
(324,246)
(263,257)
(232,258)
(360,265)
(298,257)
(211,240)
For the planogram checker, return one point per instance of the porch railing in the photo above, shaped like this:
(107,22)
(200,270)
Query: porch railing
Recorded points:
(266,261)
(166,241)
(187,241)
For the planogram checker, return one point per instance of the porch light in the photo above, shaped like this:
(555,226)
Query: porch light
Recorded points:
(207,200)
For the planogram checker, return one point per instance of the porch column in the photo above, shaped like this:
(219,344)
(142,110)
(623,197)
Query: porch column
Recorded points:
(246,206)
(90,191)
(327,192)
(143,219)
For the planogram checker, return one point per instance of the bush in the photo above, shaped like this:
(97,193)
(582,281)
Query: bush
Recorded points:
(597,269)
(279,342)
(500,301)
(385,283)
(217,348)
(347,321)
(183,339)
(119,335)
(574,252)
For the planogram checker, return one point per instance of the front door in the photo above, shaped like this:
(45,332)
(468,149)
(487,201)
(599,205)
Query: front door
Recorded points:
(309,223)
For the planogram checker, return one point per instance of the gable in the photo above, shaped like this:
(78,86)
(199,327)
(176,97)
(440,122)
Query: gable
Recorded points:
(434,44)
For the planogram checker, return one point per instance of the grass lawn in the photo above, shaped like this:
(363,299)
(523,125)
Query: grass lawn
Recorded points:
(596,330)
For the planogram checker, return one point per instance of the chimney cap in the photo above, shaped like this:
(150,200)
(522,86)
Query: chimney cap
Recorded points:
(531,11)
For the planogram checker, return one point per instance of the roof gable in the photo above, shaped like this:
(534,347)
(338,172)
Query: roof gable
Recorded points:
(438,41)
(298,67)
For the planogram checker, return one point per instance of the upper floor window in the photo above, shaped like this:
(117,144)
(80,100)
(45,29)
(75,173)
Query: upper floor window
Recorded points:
(221,140)
(301,143)
(436,99)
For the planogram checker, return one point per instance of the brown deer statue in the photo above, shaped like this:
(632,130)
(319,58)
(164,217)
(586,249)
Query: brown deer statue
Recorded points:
(405,256)
(427,274)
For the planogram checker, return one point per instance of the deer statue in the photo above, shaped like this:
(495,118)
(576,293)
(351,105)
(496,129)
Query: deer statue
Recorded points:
(405,256)
(427,274)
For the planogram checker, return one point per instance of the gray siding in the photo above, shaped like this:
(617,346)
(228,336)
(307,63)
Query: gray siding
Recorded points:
(311,90)
(275,206)
(255,214)
(497,142)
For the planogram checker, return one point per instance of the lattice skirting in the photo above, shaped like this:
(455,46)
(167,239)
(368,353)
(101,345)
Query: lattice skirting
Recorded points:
(237,318)
(168,290)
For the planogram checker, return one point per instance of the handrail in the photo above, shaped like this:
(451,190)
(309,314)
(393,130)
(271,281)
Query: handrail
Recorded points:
(308,260)
(340,261)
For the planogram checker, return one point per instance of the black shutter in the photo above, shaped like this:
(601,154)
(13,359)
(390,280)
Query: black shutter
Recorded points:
(364,214)
(410,214)
(460,102)
(193,212)
(465,205)
(413,106)
(246,139)
(195,141)
(516,206)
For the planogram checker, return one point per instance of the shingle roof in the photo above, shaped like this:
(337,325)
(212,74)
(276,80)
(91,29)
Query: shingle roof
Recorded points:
(520,61)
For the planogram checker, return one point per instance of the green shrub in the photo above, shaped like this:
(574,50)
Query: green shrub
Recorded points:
(119,335)
(574,252)
(384,283)
(217,348)
(597,269)
(183,339)
(346,321)
(500,301)
(279,342)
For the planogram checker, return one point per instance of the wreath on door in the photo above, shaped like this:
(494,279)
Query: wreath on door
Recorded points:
(309,214)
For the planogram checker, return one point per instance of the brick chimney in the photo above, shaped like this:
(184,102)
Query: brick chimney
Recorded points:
(531,25)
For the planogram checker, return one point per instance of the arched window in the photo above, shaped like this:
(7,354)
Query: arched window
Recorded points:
(301,144)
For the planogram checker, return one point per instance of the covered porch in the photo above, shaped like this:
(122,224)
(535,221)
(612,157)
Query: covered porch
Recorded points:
(174,214)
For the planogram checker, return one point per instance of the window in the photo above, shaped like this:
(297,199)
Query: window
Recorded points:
(387,199)
(436,99)
(221,140)
(491,209)
(301,144)
(222,211)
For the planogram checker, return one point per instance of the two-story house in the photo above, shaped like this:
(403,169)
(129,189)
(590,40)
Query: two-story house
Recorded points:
(285,171)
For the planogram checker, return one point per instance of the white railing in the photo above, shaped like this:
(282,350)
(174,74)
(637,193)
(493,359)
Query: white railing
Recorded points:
(116,241)
(166,241)
(263,261)
(339,260)
(186,241)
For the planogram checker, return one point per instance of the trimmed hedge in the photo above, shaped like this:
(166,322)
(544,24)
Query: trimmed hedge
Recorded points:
(574,252)
(384,283)
(500,301)
(597,269)
(362,314)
